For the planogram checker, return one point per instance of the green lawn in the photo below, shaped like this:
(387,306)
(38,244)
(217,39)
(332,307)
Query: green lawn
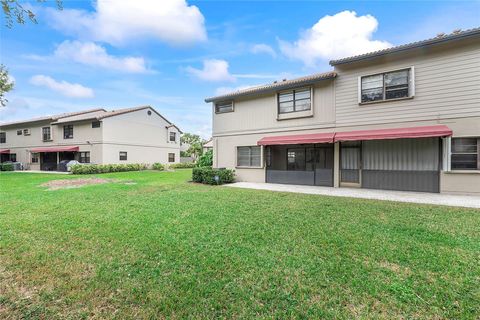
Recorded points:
(166,248)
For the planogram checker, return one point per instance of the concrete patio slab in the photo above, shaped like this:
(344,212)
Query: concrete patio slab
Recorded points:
(401,196)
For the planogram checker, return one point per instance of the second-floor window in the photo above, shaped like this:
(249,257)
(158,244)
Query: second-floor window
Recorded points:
(46,134)
(173,136)
(19,132)
(386,86)
(3,137)
(68,132)
(96,124)
(294,100)
(225,106)
(465,154)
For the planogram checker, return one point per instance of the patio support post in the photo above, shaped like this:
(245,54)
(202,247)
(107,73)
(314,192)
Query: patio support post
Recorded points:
(336,164)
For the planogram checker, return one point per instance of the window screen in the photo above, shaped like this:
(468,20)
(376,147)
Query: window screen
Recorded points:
(249,156)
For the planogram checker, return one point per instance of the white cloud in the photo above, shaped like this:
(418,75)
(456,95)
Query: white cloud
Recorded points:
(92,54)
(263,48)
(120,22)
(341,35)
(213,70)
(72,90)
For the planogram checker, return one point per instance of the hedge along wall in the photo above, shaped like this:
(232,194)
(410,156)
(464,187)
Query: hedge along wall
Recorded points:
(208,175)
(106,168)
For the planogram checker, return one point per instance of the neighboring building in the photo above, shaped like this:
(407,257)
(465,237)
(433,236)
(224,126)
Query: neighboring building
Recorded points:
(207,146)
(134,135)
(404,118)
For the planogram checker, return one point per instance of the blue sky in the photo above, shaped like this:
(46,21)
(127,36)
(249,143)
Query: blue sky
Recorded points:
(173,54)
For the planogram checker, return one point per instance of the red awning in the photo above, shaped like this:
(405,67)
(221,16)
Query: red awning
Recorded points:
(379,134)
(398,133)
(55,149)
(4,151)
(297,139)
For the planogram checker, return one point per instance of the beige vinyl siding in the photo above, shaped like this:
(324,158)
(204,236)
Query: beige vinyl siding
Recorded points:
(259,113)
(447,85)
(146,140)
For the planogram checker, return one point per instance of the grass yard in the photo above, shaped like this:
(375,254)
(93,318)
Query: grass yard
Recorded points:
(151,245)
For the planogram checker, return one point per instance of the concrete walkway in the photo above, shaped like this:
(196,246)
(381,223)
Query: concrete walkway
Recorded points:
(401,196)
(38,171)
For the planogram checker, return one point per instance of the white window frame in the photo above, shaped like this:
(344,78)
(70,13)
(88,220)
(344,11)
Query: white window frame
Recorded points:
(411,85)
(223,103)
(169,137)
(249,167)
(51,133)
(293,90)
(448,155)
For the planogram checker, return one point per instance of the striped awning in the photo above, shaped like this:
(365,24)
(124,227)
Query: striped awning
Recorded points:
(297,139)
(360,135)
(397,133)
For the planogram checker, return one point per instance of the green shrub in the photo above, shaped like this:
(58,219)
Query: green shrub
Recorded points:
(197,174)
(206,159)
(6,167)
(207,175)
(184,165)
(158,166)
(106,168)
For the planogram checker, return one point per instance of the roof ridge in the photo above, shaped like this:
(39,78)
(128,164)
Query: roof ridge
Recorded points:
(276,85)
(53,117)
(441,37)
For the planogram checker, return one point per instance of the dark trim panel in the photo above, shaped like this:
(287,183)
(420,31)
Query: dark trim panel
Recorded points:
(420,181)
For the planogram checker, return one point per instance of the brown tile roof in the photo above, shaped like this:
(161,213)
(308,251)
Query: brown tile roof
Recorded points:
(457,34)
(93,114)
(52,117)
(123,111)
(277,85)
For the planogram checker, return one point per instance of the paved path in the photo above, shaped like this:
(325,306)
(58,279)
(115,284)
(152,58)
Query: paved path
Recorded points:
(38,171)
(401,196)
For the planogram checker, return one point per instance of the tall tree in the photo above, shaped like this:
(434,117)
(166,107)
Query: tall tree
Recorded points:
(6,84)
(195,144)
(15,12)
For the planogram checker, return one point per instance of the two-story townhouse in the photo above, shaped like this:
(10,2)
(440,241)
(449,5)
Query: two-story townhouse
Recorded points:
(404,118)
(132,135)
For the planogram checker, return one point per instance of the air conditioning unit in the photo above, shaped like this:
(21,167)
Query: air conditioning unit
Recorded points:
(26,132)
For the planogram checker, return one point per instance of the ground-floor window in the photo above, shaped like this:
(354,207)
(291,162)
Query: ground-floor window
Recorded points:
(249,156)
(34,157)
(13,157)
(85,157)
(171,157)
(465,154)
(123,155)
